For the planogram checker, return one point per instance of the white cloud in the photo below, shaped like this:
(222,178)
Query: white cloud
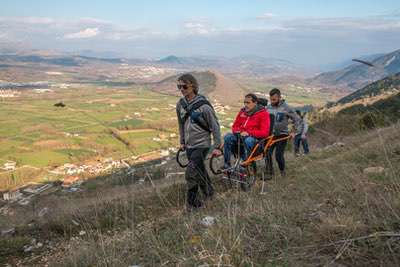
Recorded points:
(199,27)
(196,28)
(342,24)
(266,16)
(87,33)
(261,30)
(28,20)
(89,20)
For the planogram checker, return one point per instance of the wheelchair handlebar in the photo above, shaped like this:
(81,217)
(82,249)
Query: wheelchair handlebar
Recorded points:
(177,158)
(215,172)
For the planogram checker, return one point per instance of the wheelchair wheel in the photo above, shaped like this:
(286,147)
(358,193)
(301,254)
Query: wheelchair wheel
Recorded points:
(248,177)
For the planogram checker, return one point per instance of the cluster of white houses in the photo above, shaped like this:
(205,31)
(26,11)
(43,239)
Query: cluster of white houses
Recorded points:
(72,176)
(100,167)
(9,93)
(9,166)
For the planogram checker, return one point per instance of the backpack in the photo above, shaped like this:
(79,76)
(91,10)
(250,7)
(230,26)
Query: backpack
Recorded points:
(272,123)
(189,113)
(262,101)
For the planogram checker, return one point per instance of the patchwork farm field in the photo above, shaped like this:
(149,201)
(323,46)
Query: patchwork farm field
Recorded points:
(35,133)
(95,124)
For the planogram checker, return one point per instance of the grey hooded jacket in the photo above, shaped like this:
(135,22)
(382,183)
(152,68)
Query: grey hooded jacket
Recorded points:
(190,133)
(282,113)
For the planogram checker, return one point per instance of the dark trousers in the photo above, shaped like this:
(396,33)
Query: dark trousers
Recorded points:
(303,142)
(196,176)
(279,148)
(231,146)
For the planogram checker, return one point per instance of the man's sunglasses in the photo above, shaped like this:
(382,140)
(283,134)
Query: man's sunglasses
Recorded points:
(182,86)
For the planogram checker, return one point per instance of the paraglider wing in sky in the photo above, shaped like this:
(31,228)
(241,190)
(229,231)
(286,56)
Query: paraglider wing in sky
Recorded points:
(364,62)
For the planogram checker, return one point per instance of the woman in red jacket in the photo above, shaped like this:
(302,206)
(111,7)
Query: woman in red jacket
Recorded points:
(252,122)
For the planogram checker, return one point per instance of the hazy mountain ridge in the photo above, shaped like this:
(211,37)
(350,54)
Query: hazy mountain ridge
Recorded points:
(387,84)
(359,75)
(244,64)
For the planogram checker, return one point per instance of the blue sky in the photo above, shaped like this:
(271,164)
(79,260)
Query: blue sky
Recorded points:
(158,13)
(328,30)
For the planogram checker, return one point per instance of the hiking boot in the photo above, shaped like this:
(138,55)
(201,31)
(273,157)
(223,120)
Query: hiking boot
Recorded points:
(283,174)
(190,209)
(192,198)
(267,177)
(207,190)
(210,195)
(195,206)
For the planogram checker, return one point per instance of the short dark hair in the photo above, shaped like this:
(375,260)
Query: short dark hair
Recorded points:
(189,78)
(275,91)
(253,97)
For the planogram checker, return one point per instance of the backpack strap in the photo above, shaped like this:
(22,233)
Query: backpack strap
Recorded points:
(192,108)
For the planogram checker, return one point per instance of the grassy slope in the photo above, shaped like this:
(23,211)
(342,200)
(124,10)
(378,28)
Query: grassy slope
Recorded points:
(326,211)
(359,117)
(373,89)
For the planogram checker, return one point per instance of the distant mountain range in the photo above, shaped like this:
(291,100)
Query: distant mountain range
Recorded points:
(345,63)
(31,85)
(358,75)
(251,65)
(66,61)
(53,60)
(244,65)
(387,84)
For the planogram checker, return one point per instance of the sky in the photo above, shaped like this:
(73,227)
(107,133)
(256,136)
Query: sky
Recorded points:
(306,32)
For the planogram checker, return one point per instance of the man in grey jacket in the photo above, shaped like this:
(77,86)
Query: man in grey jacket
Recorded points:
(197,122)
(282,113)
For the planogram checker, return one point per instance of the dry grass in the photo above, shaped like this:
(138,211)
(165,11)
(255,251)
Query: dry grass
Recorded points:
(55,144)
(326,212)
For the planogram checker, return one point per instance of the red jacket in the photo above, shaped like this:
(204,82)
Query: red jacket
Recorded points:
(256,125)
